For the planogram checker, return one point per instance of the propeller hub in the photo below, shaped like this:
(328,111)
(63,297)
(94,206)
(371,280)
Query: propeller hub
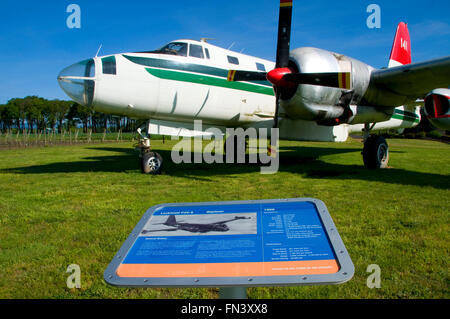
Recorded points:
(276,77)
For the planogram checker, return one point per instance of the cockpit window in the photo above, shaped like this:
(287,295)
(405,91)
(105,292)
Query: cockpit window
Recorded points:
(196,51)
(90,69)
(78,81)
(174,48)
(109,65)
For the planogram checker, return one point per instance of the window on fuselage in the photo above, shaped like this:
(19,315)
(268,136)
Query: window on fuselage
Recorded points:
(196,51)
(207,53)
(109,65)
(260,67)
(232,59)
(173,48)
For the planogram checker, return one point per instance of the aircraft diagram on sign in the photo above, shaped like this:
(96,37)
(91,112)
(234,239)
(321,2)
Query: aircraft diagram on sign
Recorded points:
(195,228)
(308,93)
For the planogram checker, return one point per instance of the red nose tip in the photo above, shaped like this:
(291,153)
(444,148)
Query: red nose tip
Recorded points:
(276,77)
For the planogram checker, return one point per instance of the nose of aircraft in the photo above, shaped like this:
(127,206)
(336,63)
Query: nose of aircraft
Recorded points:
(78,81)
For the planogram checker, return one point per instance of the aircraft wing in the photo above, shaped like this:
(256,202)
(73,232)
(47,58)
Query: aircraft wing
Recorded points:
(230,220)
(223,222)
(158,230)
(413,80)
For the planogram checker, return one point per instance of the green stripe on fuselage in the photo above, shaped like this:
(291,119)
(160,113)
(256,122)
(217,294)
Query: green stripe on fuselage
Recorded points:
(183,66)
(208,80)
(405,116)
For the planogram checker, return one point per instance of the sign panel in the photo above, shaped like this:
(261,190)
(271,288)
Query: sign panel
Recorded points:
(243,243)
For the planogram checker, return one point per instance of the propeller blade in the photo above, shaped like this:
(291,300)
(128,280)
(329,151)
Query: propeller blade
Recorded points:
(235,76)
(277,107)
(340,80)
(273,149)
(284,33)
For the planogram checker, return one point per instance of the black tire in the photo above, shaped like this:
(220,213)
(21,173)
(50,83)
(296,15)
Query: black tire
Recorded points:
(376,152)
(151,163)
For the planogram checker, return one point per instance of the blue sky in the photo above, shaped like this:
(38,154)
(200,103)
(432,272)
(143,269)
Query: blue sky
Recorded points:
(35,43)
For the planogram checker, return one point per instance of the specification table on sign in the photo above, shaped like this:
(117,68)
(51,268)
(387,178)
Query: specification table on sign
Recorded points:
(248,243)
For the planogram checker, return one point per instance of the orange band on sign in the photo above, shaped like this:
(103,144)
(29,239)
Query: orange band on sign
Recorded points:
(282,268)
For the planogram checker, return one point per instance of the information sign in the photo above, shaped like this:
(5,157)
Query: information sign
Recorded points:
(224,244)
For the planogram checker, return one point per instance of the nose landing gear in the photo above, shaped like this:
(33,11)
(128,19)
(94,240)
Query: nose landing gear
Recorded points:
(151,162)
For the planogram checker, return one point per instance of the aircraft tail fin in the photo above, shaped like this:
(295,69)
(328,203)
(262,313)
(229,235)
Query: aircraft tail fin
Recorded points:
(401,48)
(171,221)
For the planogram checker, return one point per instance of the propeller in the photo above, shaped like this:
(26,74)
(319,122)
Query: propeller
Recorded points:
(284,34)
(284,76)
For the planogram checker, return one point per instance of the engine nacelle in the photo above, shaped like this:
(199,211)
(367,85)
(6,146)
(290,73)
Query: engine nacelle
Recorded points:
(437,108)
(321,103)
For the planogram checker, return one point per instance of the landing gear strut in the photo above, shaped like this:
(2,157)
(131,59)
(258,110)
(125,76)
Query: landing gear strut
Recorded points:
(376,150)
(151,162)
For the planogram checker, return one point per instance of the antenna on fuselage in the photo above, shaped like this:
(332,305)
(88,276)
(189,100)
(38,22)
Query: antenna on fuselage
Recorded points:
(229,48)
(98,51)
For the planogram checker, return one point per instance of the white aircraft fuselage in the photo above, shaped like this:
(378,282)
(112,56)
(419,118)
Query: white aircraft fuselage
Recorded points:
(187,80)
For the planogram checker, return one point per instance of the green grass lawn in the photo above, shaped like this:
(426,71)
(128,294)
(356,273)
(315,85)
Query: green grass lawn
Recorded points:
(77,204)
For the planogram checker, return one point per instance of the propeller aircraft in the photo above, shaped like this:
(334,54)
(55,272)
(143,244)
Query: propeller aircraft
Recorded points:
(195,228)
(307,94)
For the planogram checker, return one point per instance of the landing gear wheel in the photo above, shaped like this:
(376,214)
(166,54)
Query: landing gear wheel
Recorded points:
(151,163)
(375,152)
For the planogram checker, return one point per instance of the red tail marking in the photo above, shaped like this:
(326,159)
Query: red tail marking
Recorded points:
(401,48)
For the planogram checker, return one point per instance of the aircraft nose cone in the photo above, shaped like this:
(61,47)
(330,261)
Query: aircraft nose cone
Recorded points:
(78,81)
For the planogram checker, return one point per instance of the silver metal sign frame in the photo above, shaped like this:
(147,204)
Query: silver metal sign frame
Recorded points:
(345,273)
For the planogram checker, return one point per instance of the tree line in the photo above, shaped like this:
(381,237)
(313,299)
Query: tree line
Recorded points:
(34,114)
